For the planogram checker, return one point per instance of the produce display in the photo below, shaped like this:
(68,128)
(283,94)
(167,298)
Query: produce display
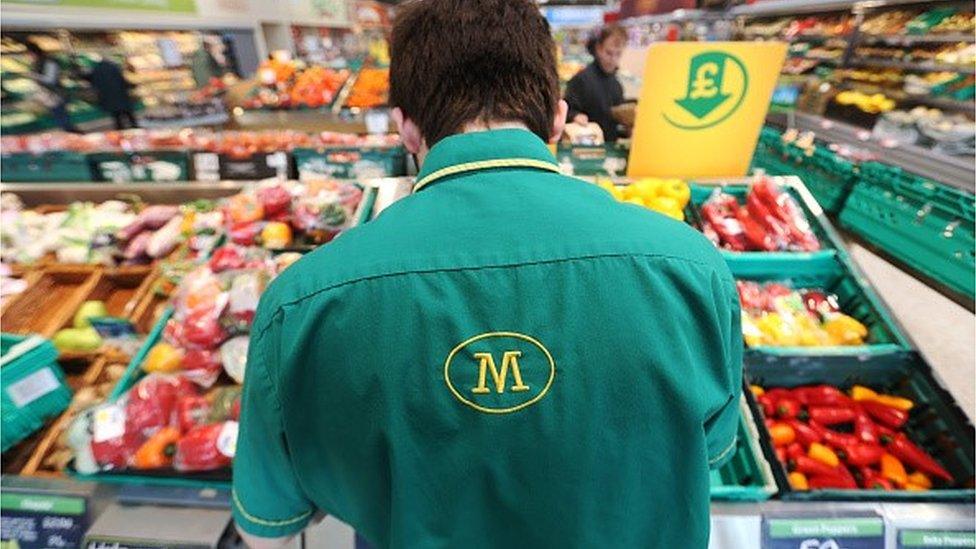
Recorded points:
(370,89)
(775,314)
(770,220)
(667,196)
(829,439)
(284,84)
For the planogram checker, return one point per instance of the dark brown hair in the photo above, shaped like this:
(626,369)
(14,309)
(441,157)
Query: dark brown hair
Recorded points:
(602,35)
(458,61)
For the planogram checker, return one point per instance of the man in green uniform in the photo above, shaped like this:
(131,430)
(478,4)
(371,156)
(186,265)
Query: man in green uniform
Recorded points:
(506,358)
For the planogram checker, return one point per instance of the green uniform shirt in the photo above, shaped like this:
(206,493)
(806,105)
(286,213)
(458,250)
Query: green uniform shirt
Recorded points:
(506,358)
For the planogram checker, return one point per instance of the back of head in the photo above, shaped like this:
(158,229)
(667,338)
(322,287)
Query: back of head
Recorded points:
(454,62)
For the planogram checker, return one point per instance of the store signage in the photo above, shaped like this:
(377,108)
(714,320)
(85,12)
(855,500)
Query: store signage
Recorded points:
(178,6)
(932,539)
(701,107)
(866,532)
(29,520)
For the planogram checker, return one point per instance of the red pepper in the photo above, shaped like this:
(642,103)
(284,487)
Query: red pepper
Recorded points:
(886,415)
(781,454)
(903,449)
(779,392)
(809,466)
(830,415)
(838,440)
(860,455)
(831,481)
(794,450)
(773,226)
(805,434)
(192,411)
(865,429)
(198,449)
(871,480)
(768,407)
(226,258)
(787,408)
(756,235)
(719,210)
(822,395)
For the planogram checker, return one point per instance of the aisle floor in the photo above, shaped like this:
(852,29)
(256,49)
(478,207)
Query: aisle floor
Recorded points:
(944,331)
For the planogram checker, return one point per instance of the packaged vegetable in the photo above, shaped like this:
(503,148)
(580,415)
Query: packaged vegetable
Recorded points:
(163,358)
(201,366)
(206,447)
(233,355)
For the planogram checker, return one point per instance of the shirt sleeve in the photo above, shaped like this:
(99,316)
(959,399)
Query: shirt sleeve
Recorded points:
(267,499)
(722,423)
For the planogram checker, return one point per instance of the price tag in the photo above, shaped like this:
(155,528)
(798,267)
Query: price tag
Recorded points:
(108,423)
(41,520)
(32,387)
(277,160)
(931,539)
(207,166)
(865,532)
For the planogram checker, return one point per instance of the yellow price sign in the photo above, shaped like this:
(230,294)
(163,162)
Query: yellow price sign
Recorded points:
(701,107)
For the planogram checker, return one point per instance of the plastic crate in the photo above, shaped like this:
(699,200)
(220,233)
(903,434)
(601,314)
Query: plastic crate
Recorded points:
(936,423)
(606,159)
(59,166)
(350,162)
(124,167)
(748,476)
(34,387)
(700,193)
(854,296)
(926,225)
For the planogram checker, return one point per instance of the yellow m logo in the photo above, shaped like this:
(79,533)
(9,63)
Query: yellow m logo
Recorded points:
(487,363)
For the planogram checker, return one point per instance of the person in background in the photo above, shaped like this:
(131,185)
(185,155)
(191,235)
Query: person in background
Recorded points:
(112,90)
(46,71)
(595,90)
(508,357)
(204,65)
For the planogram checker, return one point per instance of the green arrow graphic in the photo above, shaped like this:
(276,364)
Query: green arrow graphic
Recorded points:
(699,108)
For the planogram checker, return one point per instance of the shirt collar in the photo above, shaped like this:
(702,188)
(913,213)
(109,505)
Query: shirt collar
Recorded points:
(467,152)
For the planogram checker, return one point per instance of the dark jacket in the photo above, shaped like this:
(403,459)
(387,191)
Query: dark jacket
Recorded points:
(593,92)
(110,85)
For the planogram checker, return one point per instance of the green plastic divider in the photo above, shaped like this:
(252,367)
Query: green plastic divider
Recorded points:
(350,162)
(854,297)
(925,225)
(54,167)
(936,423)
(119,167)
(33,387)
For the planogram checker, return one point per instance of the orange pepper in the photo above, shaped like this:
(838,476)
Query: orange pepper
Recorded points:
(893,470)
(911,487)
(919,478)
(782,434)
(757,391)
(823,454)
(799,481)
(158,451)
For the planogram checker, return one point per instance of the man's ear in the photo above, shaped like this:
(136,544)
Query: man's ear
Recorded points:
(409,131)
(559,121)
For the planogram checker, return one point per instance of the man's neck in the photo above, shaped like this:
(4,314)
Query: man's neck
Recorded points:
(472,127)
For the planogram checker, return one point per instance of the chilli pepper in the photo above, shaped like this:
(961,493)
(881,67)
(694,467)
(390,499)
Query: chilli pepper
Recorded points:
(823,454)
(900,447)
(865,429)
(893,470)
(778,393)
(831,481)
(897,402)
(768,406)
(891,417)
(861,455)
(756,235)
(798,481)
(782,434)
(794,450)
(809,466)
(757,391)
(861,393)
(781,454)
(871,480)
(912,487)
(831,415)
(805,434)
(822,395)
(838,440)
(158,450)
(787,408)
(919,478)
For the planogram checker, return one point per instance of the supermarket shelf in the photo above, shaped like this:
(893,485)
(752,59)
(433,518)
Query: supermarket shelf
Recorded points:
(954,171)
(34,194)
(901,39)
(308,121)
(920,67)
(209,120)
(770,8)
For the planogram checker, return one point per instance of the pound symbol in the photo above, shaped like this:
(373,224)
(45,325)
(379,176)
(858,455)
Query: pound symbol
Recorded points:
(703,86)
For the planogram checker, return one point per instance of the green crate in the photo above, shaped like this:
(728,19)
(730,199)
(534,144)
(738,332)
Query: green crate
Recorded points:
(34,387)
(57,166)
(937,424)
(125,167)
(700,193)
(926,225)
(854,296)
(748,475)
(350,162)
(606,159)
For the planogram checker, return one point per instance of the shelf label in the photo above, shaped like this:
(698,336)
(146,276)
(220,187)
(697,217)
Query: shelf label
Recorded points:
(32,387)
(930,539)
(41,520)
(865,532)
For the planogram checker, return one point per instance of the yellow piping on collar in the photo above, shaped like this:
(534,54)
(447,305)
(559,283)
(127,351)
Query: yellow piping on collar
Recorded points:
(486,164)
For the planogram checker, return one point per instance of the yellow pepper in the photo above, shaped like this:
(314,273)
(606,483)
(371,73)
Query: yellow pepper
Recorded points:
(757,391)
(861,393)
(897,402)
(844,330)
(798,481)
(677,190)
(919,478)
(893,470)
(823,454)
(163,358)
